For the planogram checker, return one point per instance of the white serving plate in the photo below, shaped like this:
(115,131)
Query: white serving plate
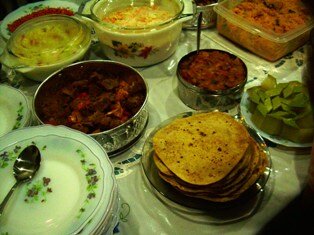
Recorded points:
(14,109)
(81,182)
(28,9)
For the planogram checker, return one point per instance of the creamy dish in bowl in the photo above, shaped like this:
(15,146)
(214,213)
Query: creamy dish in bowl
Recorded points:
(138,33)
(45,44)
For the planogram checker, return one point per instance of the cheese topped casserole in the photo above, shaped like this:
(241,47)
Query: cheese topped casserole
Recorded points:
(141,16)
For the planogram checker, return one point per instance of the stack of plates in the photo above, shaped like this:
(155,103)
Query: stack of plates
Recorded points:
(74,191)
(14,109)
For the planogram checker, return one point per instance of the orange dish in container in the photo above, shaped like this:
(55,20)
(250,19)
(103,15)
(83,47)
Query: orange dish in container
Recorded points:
(268,28)
(211,79)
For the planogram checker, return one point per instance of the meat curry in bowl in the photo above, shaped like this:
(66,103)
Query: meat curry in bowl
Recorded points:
(99,98)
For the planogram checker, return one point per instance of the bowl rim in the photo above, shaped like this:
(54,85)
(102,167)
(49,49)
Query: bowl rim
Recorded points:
(96,61)
(207,6)
(207,91)
(123,28)
(85,39)
(21,97)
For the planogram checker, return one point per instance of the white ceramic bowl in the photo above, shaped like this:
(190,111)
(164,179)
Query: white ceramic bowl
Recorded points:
(138,44)
(74,190)
(20,15)
(14,109)
(45,44)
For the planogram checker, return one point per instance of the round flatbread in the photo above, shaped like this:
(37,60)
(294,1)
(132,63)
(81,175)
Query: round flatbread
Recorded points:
(202,149)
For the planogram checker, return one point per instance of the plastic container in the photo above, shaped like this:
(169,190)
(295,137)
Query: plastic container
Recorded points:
(267,44)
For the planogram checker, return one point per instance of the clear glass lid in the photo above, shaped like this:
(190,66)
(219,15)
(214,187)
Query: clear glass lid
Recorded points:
(48,40)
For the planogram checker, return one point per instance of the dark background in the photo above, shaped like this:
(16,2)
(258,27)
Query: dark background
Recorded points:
(6,6)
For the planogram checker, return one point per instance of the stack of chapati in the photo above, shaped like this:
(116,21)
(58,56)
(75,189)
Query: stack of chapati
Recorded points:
(209,155)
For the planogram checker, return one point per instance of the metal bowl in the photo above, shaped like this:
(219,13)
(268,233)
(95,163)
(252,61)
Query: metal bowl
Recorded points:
(199,98)
(209,16)
(114,140)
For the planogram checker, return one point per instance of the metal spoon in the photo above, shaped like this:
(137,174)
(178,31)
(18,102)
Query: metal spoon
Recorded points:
(199,29)
(24,169)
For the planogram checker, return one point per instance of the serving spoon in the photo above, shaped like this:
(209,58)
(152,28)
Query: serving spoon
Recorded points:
(25,167)
(199,29)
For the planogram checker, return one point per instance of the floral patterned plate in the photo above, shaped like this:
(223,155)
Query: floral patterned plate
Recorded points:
(30,8)
(14,109)
(74,184)
(275,139)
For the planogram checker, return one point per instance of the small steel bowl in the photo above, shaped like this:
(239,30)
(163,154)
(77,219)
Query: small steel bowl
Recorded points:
(199,98)
(115,140)
(209,16)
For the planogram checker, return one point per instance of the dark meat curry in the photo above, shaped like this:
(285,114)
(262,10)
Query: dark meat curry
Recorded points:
(92,98)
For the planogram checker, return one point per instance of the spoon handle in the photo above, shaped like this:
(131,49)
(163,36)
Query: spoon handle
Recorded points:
(199,28)
(7,197)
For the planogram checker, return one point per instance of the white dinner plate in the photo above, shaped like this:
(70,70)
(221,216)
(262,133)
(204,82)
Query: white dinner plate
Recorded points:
(14,109)
(275,139)
(28,9)
(74,182)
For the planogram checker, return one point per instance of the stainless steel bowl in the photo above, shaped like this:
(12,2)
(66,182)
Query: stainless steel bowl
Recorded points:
(204,99)
(115,140)
(209,16)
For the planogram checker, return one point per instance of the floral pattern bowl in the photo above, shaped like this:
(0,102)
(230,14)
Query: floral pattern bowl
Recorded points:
(73,191)
(134,44)
(14,109)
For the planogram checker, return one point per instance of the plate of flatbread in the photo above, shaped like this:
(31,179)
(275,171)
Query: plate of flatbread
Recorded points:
(206,160)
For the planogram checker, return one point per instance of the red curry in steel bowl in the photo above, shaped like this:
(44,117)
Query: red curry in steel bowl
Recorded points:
(104,99)
(91,97)
(211,79)
(212,70)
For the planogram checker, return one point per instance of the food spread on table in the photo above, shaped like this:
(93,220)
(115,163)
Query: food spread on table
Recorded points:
(209,157)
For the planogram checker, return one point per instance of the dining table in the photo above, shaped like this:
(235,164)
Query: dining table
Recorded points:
(144,210)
